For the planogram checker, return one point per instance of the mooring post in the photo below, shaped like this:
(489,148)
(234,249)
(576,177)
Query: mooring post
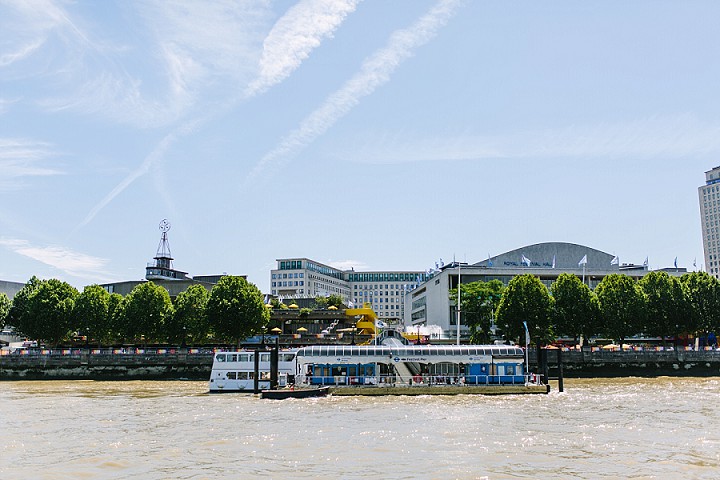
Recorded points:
(560,370)
(256,378)
(545,373)
(274,357)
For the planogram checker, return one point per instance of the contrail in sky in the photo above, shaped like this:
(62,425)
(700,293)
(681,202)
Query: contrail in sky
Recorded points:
(374,72)
(293,37)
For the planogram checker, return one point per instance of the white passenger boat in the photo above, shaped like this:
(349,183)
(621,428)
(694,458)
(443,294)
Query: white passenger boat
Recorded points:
(235,371)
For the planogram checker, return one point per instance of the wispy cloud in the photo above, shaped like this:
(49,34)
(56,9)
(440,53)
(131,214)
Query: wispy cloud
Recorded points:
(69,261)
(348,265)
(374,72)
(20,158)
(294,36)
(660,136)
(193,41)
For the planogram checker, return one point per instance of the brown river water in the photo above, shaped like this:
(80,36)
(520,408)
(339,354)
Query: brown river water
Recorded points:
(604,428)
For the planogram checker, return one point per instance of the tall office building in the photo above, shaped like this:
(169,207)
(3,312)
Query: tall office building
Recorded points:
(384,290)
(709,195)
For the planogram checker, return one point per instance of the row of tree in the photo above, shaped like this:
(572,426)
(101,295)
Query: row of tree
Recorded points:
(53,311)
(658,305)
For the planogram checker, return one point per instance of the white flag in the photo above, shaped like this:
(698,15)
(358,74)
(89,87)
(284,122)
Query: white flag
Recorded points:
(583,261)
(645,263)
(675,262)
(525,260)
(527,334)
(553,264)
(615,260)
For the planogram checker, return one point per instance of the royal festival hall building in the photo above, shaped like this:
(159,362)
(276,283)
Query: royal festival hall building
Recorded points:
(429,304)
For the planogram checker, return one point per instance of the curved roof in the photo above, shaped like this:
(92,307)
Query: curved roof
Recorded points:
(566,256)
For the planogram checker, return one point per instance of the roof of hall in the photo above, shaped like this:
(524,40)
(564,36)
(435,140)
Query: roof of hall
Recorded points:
(561,255)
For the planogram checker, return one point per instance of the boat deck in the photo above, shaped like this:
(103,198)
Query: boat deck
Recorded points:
(440,390)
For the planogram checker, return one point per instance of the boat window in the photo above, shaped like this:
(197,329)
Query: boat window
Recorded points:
(232,358)
(464,351)
(220,357)
(509,369)
(244,357)
(287,357)
(242,375)
(231,375)
(417,351)
(264,375)
(264,357)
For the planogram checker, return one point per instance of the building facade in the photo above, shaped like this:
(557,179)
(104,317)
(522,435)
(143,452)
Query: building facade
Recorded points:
(429,304)
(306,278)
(709,197)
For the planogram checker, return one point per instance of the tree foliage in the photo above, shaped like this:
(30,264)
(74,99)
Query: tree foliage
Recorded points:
(91,313)
(526,299)
(18,316)
(478,302)
(5,305)
(190,320)
(575,307)
(702,292)
(622,304)
(145,312)
(116,307)
(235,309)
(50,308)
(335,300)
(665,305)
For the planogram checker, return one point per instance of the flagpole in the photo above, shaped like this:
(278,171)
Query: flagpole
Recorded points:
(458,307)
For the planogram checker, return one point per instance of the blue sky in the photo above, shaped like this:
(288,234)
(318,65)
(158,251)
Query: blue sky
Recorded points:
(372,134)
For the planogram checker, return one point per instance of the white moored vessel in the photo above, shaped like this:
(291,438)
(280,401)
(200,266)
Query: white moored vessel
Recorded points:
(235,371)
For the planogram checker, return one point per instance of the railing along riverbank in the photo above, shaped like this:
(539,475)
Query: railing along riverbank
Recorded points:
(196,363)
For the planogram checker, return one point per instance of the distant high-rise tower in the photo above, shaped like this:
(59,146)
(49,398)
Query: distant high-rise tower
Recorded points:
(162,268)
(710,218)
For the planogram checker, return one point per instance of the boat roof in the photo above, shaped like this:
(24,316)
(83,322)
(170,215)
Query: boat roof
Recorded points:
(405,350)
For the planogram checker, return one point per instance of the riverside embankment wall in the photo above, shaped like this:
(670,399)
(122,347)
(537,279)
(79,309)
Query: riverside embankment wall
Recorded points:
(594,362)
(139,364)
(106,365)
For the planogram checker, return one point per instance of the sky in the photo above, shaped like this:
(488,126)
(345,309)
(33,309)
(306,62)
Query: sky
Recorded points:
(368,134)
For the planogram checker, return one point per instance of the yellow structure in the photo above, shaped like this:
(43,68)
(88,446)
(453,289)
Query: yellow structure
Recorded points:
(366,324)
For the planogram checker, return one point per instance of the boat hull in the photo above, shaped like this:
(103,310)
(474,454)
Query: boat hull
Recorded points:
(285,393)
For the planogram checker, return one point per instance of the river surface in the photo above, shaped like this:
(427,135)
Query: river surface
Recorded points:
(606,428)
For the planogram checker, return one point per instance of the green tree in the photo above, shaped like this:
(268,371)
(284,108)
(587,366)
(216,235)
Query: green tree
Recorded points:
(5,305)
(478,302)
(51,308)
(147,308)
(526,299)
(18,316)
(190,321)
(575,307)
(622,304)
(702,292)
(321,302)
(235,309)
(116,308)
(335,300)
(665,305)
(91,313)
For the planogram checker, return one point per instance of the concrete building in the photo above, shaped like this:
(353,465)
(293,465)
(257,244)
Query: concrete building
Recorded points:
(709,196)
(430,304)
(10,288)
(306,278)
